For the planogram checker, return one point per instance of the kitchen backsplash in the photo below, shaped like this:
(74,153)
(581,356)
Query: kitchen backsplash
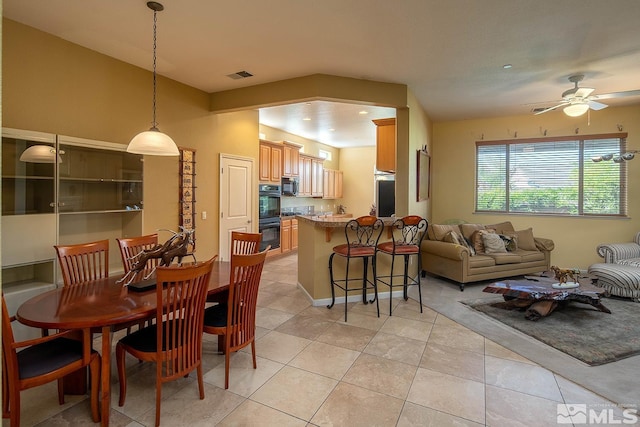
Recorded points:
(308,205)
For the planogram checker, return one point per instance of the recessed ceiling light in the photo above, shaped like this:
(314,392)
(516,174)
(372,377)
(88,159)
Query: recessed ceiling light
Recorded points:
(332,130)
(363,112)
(507,66)
(307,119)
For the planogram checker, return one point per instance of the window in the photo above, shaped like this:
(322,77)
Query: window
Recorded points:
(552,176)
(323,154)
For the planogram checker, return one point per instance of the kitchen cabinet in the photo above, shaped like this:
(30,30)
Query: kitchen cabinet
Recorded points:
(311,176)
(386,145)
(305,176)
(290,159)
(317,177)
(294,234)
(270,167)
(288,235)
(332,183)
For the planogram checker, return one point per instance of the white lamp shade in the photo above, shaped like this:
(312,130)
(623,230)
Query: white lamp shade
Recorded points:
(40,154)
(154,143)
(577,109)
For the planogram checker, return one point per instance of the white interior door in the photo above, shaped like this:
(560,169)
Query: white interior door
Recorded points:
(236,200)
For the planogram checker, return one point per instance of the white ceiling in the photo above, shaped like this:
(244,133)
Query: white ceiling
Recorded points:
(450,53)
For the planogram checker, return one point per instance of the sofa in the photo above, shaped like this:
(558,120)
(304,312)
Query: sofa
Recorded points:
(620,273)
(458,252)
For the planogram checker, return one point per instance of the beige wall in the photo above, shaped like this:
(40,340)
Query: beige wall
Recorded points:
(51,85)
(453,178)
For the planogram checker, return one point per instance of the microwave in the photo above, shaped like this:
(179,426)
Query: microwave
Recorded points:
(290,186)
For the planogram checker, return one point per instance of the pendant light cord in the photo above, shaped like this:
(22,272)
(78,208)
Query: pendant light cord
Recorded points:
(155,20)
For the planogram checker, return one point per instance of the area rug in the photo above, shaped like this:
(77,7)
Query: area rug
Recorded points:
(578,330)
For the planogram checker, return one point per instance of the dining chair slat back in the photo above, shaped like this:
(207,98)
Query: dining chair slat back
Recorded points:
(83,262)
(174,343)
(245,243)
(41,361)
(132,246)
(235,320)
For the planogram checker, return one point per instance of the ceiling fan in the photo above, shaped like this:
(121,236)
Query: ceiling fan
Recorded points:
(578,100)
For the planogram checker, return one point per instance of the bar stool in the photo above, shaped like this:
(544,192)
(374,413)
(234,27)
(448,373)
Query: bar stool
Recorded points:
(407,234)
(362,235)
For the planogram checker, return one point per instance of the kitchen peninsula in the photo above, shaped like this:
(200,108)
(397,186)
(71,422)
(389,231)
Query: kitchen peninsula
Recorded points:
(317,237)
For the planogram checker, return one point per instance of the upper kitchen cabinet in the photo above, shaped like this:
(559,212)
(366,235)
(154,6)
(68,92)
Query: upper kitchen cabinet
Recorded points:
(270,162)
(290,159)
(332,184)
(386,145)
(311,176)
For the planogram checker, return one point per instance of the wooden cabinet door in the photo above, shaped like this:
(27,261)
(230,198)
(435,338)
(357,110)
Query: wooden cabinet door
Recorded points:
(338,185)
(329,184)
(294,234)
(290,160)
(265,163)
(276,164)
(285,235)
(317,178)
(305,177)
(386,145)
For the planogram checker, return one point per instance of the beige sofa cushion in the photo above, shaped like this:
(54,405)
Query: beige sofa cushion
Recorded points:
(438,231)
(525,240)
(506,258)
(469,229)
(502,227)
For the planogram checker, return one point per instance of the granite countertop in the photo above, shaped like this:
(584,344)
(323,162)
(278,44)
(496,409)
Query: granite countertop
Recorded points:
(335,221)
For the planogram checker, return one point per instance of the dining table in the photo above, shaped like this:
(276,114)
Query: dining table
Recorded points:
(102,305)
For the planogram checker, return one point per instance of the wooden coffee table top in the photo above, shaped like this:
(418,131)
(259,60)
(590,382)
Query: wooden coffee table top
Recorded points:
(539,288)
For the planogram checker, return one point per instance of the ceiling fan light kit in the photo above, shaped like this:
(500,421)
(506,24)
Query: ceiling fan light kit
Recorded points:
(578,100)
(576,110)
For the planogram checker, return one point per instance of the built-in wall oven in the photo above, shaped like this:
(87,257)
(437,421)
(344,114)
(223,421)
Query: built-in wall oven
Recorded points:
(269,215)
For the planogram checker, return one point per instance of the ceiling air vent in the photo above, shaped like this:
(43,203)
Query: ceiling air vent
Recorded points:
(239,75)
(539,109)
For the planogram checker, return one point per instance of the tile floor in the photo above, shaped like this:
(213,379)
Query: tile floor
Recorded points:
(419,369)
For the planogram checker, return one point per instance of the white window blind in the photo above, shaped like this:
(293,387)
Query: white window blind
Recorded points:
(550,176)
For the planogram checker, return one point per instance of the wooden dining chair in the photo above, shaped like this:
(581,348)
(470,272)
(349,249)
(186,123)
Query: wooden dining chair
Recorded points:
(236,320)
(245,243)
(83,262)
(132,246)
(41,361)
(174,343)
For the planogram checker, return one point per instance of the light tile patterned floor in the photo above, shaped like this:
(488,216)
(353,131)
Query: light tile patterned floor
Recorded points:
(412,369)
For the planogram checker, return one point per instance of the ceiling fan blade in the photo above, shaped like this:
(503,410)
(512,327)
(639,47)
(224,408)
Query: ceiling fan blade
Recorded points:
(618,94)
(562,104)
(597,105)
(583,92)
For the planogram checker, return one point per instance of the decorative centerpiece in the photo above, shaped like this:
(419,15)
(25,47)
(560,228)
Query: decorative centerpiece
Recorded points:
(563,275)
(179,245)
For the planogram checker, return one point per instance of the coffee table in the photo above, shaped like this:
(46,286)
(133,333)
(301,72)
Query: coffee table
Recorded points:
(537,296)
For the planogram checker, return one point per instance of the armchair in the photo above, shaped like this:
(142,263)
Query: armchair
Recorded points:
(620,273)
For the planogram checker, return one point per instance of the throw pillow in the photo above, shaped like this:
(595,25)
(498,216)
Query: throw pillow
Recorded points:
(525,240)
(477,242)
(451,237)
(438,231)
(469,229)
(510,242)
(493,244)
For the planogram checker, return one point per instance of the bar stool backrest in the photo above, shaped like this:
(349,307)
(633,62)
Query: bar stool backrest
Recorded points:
(409,231)
(364,231)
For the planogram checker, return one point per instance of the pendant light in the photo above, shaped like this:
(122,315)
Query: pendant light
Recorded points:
(41,154)
(153,142)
